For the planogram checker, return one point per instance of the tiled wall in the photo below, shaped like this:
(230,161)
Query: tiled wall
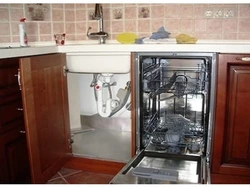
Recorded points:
(143,19)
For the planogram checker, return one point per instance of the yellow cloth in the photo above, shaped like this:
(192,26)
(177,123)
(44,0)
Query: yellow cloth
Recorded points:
(185,39)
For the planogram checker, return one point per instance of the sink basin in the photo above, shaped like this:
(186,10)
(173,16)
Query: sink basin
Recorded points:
(99,62)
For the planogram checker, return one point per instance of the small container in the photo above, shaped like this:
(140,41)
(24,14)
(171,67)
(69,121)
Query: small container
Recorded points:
(22,33)
(60,39)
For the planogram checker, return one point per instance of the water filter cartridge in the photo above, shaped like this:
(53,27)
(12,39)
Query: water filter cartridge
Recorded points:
(22,33)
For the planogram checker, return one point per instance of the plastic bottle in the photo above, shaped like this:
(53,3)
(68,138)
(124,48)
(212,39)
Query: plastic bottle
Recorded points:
(22,33)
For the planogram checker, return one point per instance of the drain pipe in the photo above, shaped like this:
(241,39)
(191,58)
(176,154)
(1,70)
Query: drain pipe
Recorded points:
(111,106)
(104,108)
(123,95)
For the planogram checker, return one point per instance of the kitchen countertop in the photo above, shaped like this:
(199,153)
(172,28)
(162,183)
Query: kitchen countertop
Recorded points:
(223,46)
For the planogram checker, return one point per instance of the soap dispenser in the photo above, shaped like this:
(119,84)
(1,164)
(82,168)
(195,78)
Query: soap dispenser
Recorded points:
(22,33)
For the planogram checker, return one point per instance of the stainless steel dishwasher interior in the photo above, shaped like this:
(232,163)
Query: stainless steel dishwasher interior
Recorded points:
(174,118)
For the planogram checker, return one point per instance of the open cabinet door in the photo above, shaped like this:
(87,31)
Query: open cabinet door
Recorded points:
(46,114)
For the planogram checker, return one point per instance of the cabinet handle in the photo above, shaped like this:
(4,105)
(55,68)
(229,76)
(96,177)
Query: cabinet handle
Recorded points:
(19,109)
(243,58)
(22,132)
(18,78)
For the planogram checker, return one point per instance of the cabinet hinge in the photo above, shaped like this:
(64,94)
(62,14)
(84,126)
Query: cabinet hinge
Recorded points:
(65,70)
(18,78)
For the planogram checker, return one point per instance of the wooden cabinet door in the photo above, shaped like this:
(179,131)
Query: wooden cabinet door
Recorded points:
(14,157)
(10,95)
(231,139)
(46,115)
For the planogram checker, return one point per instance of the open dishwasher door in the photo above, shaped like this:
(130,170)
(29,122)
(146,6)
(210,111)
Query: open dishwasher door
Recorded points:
(159,168)
(174,101)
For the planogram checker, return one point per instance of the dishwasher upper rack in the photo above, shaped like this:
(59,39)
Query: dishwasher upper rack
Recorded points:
(162,79)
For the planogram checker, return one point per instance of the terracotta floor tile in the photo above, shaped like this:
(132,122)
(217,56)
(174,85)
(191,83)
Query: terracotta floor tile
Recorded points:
(89,178)
(57,181)
(56,176)
(67,171)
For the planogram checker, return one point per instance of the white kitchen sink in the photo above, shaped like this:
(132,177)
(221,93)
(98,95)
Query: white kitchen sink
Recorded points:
(99,62)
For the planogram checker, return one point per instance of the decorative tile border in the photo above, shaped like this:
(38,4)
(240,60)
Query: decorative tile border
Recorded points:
(117,14)
(144,12)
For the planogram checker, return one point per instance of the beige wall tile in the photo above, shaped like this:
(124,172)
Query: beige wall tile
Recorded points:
(244,25)
(33,38)
(106,14)
(143,26)
(2,5)
(230,36)
(200,25)
(93,25)
(186,25)
(157,11)
(80,6)
(81,15)
(5,29)
(45,28)
(144,34)
(130,12)
(199,10)
(117,5)
(69,37)
(15,38)
(130,4)
(117,26)
(46,38)
(172,25)
(244,11)
(16,5)
(214,26)
(70,28)
(4,14)
(156,24)
(91,5)
(144,11)
(5,39)
(80,37)
(186,11)
(70,15)
(107,27)
(142,19)
(130,26)
(14,28)
(58,6)
(172,10)
(57,15)
(81,28)
(229,25)
(32,28)
(16,14)
(69,6)
(58,28)
(245,36)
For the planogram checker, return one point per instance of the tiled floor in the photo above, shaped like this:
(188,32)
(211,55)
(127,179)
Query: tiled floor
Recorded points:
(72,176)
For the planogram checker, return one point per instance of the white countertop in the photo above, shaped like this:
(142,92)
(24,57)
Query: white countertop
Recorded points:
(223,46)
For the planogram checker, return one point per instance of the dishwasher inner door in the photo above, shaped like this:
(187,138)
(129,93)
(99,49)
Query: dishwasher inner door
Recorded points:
(177,169)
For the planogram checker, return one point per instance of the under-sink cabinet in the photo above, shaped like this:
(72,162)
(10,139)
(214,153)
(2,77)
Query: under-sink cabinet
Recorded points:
(34,120)
(231,143)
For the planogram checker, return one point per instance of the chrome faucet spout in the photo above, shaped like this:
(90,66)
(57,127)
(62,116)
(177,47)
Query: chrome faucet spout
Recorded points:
(98,11)
(101,35)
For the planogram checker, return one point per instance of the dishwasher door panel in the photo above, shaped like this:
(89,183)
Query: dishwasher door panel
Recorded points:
(190,169)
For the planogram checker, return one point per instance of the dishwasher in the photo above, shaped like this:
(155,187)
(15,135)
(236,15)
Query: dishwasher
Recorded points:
(174,109)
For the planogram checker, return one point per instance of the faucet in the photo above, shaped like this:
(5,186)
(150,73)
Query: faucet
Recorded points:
(101,35)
